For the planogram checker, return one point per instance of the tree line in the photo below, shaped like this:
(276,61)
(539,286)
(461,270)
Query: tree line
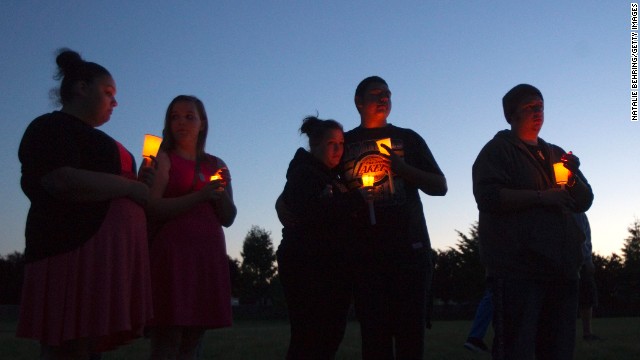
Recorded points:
(458,278)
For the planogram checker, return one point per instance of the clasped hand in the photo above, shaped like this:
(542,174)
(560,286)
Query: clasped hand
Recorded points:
(557,197)
(214,190)
(571,162)
(397,162)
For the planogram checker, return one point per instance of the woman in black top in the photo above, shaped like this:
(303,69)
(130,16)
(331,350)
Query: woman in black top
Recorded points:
(312,258)
(86,286)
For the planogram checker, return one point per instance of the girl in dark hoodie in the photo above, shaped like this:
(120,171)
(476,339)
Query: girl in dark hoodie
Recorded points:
(312,257)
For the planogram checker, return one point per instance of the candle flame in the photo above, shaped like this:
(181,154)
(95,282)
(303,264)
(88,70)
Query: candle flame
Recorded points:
(217,175)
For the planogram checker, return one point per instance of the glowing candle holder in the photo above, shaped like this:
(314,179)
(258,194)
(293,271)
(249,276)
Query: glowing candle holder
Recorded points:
(386,142)
(367,182)
(150,147)
(561,174)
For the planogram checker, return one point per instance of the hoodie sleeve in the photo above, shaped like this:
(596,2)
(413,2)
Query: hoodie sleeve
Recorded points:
(490,175)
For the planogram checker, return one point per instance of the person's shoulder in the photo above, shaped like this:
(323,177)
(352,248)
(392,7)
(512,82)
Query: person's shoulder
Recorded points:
(403,130)
(498,143)
(551,146)
(215,160)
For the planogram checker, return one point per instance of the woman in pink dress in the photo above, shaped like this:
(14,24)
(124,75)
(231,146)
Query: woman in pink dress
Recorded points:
(87,284)
(187,210)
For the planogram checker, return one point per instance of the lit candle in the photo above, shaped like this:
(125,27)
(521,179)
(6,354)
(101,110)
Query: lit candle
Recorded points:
(218,176)
(381,142)
(561,174)
(367,181)
(150,147)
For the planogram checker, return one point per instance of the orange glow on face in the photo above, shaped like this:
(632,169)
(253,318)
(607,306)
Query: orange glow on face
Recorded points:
(151,145)
(367,179)
(561,173)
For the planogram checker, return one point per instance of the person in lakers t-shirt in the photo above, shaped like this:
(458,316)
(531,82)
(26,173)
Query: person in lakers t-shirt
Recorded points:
(391,258)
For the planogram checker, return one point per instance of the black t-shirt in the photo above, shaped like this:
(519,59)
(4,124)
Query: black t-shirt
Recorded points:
(50,142)
(400,223)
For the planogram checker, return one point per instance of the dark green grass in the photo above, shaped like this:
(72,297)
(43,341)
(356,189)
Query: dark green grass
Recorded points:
(268,340)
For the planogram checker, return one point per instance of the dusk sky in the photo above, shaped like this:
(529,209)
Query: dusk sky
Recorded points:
(260,67)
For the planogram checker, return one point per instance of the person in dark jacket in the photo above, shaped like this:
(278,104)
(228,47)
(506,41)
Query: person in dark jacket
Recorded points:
(530,242)
(312,259)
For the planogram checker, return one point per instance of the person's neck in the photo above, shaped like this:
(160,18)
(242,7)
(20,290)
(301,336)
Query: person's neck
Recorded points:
(78,112)
(529,141)
(373,123)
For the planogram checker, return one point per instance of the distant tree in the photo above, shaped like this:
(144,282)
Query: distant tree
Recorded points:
(234,273)
(11,276)
(630,279)
(459,275)
(608,271)
(470,273)
(444,281)
(258,265)
(631,249)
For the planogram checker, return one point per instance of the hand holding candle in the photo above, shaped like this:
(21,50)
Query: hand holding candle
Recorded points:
(150,148)
(367,182)
(220,176)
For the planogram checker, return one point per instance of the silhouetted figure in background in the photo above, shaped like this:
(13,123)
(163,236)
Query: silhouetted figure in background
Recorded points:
(481,322)
(588,295)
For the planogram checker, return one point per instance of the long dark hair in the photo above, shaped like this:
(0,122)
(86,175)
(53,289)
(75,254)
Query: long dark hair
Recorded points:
(169,143)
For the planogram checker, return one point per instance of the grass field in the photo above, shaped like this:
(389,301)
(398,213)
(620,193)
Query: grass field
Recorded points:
(266,340)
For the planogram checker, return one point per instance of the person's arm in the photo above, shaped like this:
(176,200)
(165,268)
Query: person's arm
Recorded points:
(430,183)
(78,185)
(511,199)
(160,208)
(223,204)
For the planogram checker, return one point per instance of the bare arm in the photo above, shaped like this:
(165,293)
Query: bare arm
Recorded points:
(430,183)
(162,209)
(80,185)
(223,203)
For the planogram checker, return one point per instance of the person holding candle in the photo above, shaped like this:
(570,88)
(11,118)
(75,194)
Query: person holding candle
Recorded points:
(87,283)
(312,258)
(530,242)
(189,265)
(392,262)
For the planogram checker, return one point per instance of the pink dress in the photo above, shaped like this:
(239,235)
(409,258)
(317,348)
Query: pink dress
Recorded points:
(100,290)
(189,265)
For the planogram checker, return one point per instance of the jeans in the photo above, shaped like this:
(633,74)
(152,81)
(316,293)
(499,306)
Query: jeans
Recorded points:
(534,319)
(484,313)
(391,305)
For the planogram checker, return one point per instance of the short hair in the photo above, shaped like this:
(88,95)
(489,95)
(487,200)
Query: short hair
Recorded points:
(515,96)
(168,142)
(71,70)
(364,84)
(316,129)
